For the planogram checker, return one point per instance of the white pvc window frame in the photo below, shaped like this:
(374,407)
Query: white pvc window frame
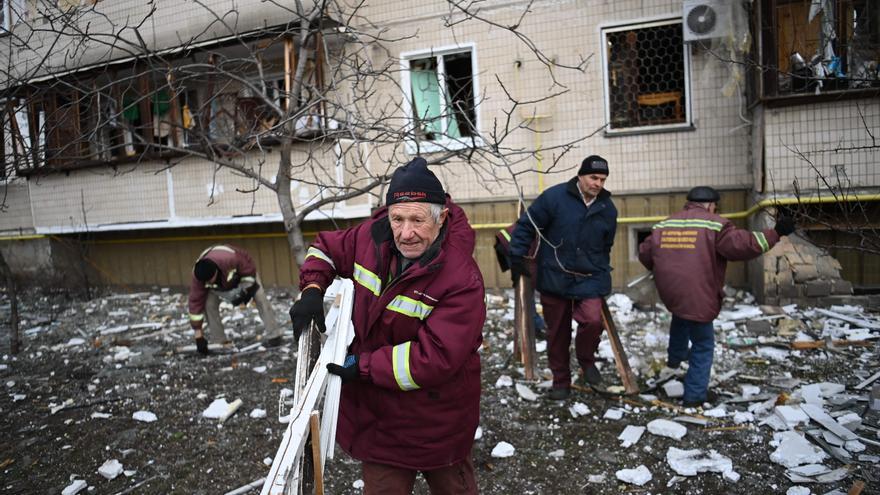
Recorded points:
(445,143)
(666,20)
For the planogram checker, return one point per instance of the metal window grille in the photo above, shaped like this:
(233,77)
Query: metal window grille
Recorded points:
(646,76)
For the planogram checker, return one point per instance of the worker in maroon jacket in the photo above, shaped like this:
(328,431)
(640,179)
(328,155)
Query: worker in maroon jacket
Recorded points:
(688,253)
(226,272)
(411,380)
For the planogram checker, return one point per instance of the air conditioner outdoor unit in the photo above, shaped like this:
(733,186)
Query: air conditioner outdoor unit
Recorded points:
(706,19)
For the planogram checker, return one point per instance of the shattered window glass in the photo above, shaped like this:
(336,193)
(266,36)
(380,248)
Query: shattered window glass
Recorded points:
(646,74)
(821,46)
(442,96)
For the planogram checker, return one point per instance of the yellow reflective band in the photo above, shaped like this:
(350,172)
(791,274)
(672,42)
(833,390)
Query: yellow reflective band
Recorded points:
(691,223)
(400,363)
(505,234)
(759,236)
(230,275)
(314,252)
(410,307)
(248,279)
(194,317)
(368,279)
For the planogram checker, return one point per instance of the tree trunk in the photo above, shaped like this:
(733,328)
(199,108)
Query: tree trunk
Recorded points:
(12,290)
(285,203)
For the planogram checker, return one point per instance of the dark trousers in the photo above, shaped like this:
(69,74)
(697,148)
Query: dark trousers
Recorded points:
(558,313)
(382,479)
(701,337)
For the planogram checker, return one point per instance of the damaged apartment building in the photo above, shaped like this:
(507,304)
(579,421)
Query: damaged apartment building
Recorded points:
(135,134)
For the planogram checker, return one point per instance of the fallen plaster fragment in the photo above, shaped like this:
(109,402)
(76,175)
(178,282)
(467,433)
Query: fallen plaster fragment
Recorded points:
(794,450)
(691,420)
(257,413)
(638,476)
(613,414)
(557,454)
(773,353)
(145,416)
(820,416)
(504,381)
(596,478)
(741,417)
(833,476)
(230,410)
(854,446)
(100,415)
(525,392)
(666,428)
(579,409)
(673,389)
(503,449)
(718,412)
(74,487)
(750,390)
(810,469)
(792,416)
(850,421)
(674,480)
(18,397)
(260,369)
(832,439)
(479,433)
(855,321)
(216,410)
(869,458)
(691,462)
(630,435)
(798,490)
(110,469)
(731,476)
(357,484)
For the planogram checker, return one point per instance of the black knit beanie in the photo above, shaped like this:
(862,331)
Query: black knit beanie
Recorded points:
(593,164)
(413,182)
(703,194)
(205,269)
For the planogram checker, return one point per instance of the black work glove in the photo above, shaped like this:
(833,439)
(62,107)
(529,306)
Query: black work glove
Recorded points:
(310,307)
(784,225)
(246,295)
(518,268)
(349,370)
(202,345)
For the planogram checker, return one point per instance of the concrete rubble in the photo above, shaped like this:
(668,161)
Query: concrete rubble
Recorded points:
(793,385)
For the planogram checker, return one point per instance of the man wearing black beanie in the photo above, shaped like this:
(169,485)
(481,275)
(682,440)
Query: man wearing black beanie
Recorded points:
(411,380)
(577,222)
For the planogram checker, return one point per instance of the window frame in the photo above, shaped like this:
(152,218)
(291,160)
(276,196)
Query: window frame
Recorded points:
(766,54)
(613,27)
(446,143)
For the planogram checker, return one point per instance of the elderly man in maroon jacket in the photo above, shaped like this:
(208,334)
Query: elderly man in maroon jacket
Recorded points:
(411,381)
(226,272)
(688,253)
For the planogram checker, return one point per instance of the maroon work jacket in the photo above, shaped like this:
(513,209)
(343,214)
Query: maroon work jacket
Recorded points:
(235,265)
(688,253)
(417,404)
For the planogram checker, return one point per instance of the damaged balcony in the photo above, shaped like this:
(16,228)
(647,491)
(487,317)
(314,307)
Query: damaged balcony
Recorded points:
(212,101)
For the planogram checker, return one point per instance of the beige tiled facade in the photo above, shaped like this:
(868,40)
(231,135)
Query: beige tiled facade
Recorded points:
(718,149)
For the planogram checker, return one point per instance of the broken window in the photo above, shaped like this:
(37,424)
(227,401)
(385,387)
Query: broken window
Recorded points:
(646,76)
(819,46)
(23,135)
(441,94)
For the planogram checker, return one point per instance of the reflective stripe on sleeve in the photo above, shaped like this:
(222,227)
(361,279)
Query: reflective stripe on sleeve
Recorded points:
(248,279)
(400,363)
(230,275)
(314,252)
(368,279)
(217,248)
(690,223)
(505,234)
(196,317)
(759,236)
(410,307)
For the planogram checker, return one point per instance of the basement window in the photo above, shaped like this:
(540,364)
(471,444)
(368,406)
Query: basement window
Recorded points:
(440,92)
(646,77)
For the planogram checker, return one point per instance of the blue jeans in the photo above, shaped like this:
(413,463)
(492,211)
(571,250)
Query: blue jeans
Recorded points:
(702,345)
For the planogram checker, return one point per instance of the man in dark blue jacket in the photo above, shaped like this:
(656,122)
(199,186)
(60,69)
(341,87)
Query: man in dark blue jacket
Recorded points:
(576,222)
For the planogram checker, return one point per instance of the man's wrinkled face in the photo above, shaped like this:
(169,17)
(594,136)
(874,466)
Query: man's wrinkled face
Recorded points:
(592,184)
(414,228)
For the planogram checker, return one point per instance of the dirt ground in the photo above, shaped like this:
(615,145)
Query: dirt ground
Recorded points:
(88,366)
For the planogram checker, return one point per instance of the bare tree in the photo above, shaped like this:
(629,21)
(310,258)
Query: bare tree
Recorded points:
(309,106)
